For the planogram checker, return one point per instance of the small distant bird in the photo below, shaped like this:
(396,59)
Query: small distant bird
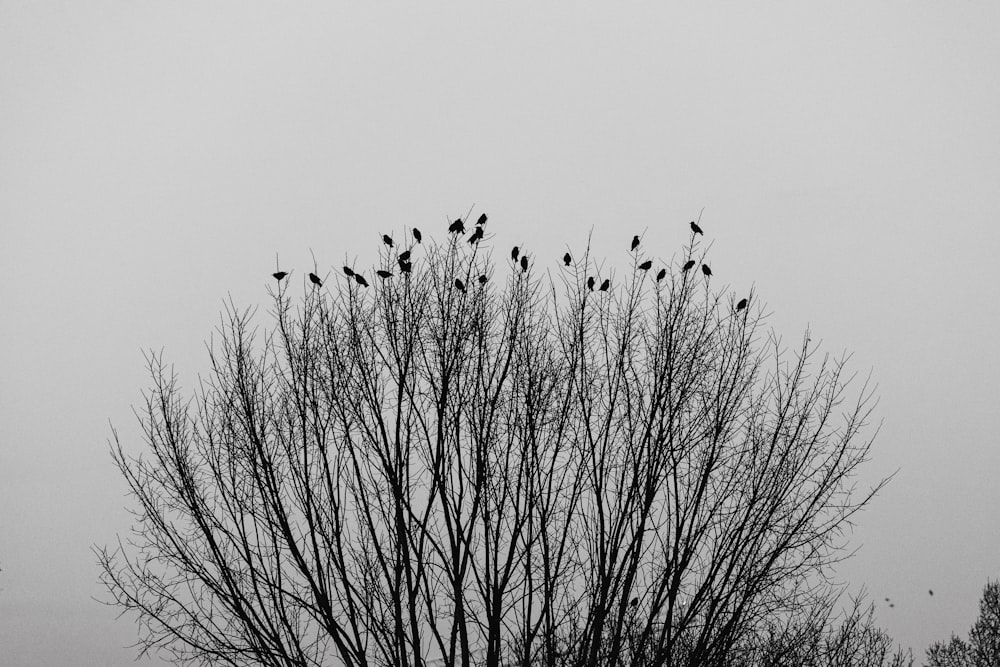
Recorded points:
(741,305)
(482,220)
(696,229)
(457,227)
(661,275)
(647,265)
(931,592)
(383,274)
(348,272)
(524,263)
(386,239)
(315,279)
(460,285)
(634,602)
(360,279)
(476,235)
(405,267)
(514,252)
(482,279)
(417,235)
(707,271)
(590,283)
(891,604)
(567,259)
(605,285)
(404,256)
(635,243)
(279,275)
(688,265)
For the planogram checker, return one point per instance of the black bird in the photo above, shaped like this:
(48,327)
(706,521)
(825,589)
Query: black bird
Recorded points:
(741,305)
(458,226)
(688,265)
(647,265)
(416,235)
(634,602)
(605,285)
(707,271)
(279,275)
(513,253)
(383,274)
(405,267)
(635,243)
(476,235)
(590,283)
(482,220)
(315,279)
(661,275)
(482,279)
(524,263)
(567,259)
(348,272)
(404,256)
(460,285)
(360,279)
(696,229)
(386,239)
(931,592)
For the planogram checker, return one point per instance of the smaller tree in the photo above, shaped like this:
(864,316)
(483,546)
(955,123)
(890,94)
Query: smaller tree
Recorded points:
(983,647)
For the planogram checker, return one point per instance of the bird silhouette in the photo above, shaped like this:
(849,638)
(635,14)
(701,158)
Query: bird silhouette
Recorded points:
(696,229)
(482,279)
(590,283)
(931,592)
(417,235)
(404,256)
(315,280)
(605,285)
(460,285)
(405,267)
(661,275)
(482,220)
(279,275)
(360,279)
(635,243)
(383,274)
(457,227)
(741,305)
(386,239)
(647,265)
(514,252)
(524,263)
(476,235)
(348,272)
(567,259)
(634,602)
(688,265)
(707,271)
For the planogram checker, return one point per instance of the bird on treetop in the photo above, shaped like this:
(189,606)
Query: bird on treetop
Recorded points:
(634,602)
(707,271)
(741,305)
(476,235)
(404,256)
(524,263)
(417,235)
(405,267)
(567,259)
(348,272)
(279,275)
(383,274)
(482,220)
(460,285)
(647,265)
(696,229)
(605,285)
(661,275)
(514,252)
(360,279)
(315,279)
(386,239)
(635,243)
(482,279)
(688,265)
(590,283)
(457,227)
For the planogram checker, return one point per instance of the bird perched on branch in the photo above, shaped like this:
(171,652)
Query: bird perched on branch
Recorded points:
(460,285)
(741,305)
(707,271)
(386,239)
(590,283)
(482,220)
(635,243)
(476,235)
(360,279)
(279,275)
(348,272)
(405,267)
(417,235)
(605,285)
(314,279)
(688,265)
(524,263)
(513,253)
(647,265)
(482,279)
(661,275)
(696,229)
(404,256)
(383,274)
(457,227)
(567,259)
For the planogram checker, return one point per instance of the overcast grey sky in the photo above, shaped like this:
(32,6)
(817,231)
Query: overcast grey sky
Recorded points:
(155,156)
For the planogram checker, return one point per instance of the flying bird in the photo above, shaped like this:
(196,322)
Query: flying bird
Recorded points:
(647,265)
(315,279)
(688,265)
(524,263)
(279,275)
(386,239)
(482,279)
(348,272)
(741,305)
(707,271)
(457,227)
(567,259)
(696,229)
(635,243)
(514,252)
(590,283)
(404,256)
(383,274)
(931,592)
(482,220)
(460,285)
(661,275)
(417,235)
(360,279)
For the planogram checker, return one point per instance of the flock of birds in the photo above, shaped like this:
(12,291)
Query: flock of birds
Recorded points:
(458,227)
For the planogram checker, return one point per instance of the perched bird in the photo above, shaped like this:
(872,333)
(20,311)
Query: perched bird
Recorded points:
(482,279)
(661,275)
(513,253)
(605,285)
(460,285)
(457,227)
(741,305)
(279,275)
(635,243)
(405,267)
(360,279)
(567,259)
(647,265)
(348,272)
(696,229)
(476,235)
(383,274)
(417,235)
(404,256)
(386,239)
(634,602)
(707,271)
(482,220)
(524,263)
(590,283)
(315,279)
(688,265)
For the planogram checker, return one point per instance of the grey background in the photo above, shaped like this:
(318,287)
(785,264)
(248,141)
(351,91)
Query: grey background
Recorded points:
(155,156)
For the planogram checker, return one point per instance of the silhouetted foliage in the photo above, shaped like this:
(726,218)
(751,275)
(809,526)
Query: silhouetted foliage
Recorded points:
(983,646)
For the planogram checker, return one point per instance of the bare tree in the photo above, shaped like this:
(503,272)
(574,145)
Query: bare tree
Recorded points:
(522,471)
